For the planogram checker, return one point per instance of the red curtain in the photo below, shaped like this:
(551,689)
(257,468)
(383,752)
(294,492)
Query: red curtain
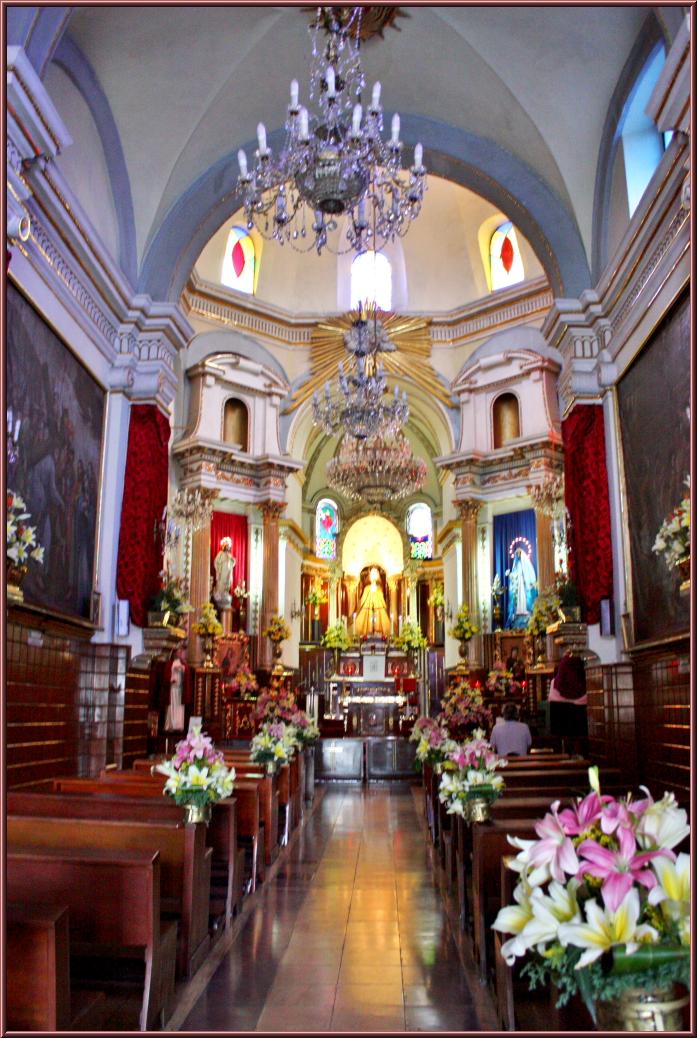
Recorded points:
(225,524)
(587,499)
(144,500)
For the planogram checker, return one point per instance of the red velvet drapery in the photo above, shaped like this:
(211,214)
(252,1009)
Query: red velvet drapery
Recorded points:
(587,499)
(144,500)
(225,524)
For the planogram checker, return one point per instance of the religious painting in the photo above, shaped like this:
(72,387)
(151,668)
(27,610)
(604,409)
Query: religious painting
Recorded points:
(57,410)
(653,399)
(230,652)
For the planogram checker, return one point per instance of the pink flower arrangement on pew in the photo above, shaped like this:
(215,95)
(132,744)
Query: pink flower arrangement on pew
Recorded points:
(603,901)
(276,704)
(464,711)
(433,744)
(469,772)
(305,731)
(197,773)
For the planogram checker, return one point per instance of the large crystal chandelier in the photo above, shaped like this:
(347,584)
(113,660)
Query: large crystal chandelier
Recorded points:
(362,407)
(379,469)
(334,161)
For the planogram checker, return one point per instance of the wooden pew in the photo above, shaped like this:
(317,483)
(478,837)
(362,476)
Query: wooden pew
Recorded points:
(185,865)
(113,900)
(246,769)
(38,968)
(221,833)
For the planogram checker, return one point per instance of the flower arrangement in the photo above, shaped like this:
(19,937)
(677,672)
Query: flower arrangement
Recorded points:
(272,746)
(197,773)
(565,590)
(240,591)
(464,628)
(278,630)
(316,595)
(410,637)
(545,611)
(242,682)
(276,704)
(336,637)
(437,596)
(305,731)
(208,625)
(673,538)
(21,539)
(499,680)
(463,710)
(469,772)
(433,743)
(170,598)
(603,903)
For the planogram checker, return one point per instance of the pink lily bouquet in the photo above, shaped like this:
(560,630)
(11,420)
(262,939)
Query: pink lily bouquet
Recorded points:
(433,744)
(197,773)
(305,731)
(603,901)
(469,773)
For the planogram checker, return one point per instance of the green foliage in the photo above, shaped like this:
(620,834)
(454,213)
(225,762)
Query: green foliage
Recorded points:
(410,637)
(336,637)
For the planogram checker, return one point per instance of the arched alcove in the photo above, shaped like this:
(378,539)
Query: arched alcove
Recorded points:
(236,424)
(506,419)
(372,540)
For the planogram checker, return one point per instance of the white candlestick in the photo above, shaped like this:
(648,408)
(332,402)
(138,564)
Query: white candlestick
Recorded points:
(304,124)
(418,156)
(376,95)
(293,93)
(357,116)
(242,159)
(395,129)
(331,82)
(261,138)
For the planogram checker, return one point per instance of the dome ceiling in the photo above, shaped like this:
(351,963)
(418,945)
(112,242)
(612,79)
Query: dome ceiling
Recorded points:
(188,85)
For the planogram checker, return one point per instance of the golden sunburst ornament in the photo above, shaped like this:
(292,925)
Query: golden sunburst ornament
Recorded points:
(409,356)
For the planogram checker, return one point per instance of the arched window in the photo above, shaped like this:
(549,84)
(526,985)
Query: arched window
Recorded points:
(326,529)
(506,415)
(642,144)
(504,257)
(371,280)
(239,261)
(420,531)
(236,424)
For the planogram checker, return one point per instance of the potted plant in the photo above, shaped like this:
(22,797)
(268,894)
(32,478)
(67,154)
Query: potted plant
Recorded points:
(241,594)
(410,640)
(21,545)
(272,746)
(197,776)
(463,629)
(209,629)
(673,538)
(336,637)
(603,908)
(169,605)
(469,783)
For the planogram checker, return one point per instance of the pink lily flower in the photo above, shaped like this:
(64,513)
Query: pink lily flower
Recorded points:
(619,869)
(554,848)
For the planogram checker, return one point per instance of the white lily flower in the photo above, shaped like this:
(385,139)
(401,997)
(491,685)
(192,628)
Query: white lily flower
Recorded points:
(605,929)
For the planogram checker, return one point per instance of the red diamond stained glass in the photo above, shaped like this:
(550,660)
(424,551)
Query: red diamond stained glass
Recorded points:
(238,258)
(507,254)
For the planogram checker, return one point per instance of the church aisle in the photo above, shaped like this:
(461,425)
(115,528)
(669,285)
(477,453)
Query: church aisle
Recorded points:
(350,935)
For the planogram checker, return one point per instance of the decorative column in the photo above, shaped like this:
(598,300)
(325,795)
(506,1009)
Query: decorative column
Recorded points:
(271,512)
(334,592)
(351,602)
(545,549)
(468,511)
(199,584)
(393,587)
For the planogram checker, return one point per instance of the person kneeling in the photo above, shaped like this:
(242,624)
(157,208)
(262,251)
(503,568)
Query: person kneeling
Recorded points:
(512,737)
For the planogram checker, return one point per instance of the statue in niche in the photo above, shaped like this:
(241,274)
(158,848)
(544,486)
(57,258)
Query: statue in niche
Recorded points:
(224,564)
(522,590)
(372,619)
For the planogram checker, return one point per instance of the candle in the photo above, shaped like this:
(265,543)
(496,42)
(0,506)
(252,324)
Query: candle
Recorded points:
(331,82)
(376,95)
(357,115)
(304,124)
(242,159)
(261,137)
(293,93)
(395,129)
(418,156)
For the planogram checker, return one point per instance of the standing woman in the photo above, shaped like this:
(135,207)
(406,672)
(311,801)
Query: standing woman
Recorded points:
(568,717)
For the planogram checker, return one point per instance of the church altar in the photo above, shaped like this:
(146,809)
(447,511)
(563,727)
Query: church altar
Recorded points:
(370,690)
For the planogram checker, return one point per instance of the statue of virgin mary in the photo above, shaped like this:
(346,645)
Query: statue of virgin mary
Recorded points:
(522,590)
(372,618)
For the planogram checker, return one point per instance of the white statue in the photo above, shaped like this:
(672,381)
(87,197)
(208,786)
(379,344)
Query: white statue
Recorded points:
(522,590)
(224,565)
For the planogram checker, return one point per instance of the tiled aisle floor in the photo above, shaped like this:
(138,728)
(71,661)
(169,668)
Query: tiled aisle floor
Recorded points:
(350,935)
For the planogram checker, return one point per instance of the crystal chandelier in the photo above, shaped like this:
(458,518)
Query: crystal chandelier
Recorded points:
(333,162)
(378,469)
(362,408)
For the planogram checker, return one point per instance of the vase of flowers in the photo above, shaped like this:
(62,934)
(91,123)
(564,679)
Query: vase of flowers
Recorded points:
(565,590)
(336,637)
(673,539)
(469,783)
(603,907)
(464,629)
(169,605)
(437,601)
(545,611)
(209,629)
(197,776)
(433,743)
(272,746)
(463,710)
(277,632)
(21,545)
(410,640)
(241,594)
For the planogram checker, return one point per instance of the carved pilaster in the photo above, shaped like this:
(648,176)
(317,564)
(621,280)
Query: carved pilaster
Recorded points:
(545,549)
(200,583)
(468,510)
(581,331)
(271,512)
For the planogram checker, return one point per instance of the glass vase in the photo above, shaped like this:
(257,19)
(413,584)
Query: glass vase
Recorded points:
(643,1009)
(197,813)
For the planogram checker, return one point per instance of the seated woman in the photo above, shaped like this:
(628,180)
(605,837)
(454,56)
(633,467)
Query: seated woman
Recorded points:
(511,737)
(372,618)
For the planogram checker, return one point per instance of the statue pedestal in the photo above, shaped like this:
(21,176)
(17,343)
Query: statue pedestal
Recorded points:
(226,620)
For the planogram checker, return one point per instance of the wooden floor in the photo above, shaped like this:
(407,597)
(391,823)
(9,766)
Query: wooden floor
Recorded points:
(350,934)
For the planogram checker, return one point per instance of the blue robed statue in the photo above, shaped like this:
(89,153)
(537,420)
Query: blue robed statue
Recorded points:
(522,590)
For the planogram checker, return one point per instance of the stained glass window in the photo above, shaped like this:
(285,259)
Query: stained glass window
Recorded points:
(420,531)
(505,258)
(642,144)
(239,261)
(326,529)
(371,280)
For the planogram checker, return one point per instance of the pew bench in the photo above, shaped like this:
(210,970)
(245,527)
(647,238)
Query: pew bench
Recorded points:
(113,901)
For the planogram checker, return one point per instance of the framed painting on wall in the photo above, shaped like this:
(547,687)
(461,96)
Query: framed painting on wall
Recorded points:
(57,408)
(653,397)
